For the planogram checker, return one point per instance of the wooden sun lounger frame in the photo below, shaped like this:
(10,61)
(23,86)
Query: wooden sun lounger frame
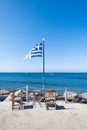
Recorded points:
(16,104)
(50,98)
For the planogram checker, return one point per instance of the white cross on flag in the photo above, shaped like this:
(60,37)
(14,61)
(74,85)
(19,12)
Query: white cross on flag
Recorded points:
(35,51)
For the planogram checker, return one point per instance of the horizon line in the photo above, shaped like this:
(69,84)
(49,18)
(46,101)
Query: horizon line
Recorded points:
(45,72)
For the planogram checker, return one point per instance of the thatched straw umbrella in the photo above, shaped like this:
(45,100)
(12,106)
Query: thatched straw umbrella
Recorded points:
(17,93)
(3,92)
(71,95)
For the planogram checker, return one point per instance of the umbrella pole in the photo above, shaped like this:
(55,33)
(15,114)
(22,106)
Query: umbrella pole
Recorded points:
(43,76)
(27,93)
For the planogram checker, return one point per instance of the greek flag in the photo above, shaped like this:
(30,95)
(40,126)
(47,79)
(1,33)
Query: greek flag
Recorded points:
(35,51)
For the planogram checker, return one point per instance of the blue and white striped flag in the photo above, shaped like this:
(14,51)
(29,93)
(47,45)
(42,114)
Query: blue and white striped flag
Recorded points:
(35,51)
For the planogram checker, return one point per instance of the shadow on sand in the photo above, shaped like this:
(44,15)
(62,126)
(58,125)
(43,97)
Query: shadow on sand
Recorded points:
(52,107)
(28,107)
(60,107)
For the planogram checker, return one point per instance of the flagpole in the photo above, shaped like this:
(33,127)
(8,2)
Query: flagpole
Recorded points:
(43,78)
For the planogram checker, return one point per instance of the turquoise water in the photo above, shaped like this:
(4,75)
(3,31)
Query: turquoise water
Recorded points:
(73,81)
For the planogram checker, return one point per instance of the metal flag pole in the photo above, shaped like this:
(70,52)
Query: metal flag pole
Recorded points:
(43,77)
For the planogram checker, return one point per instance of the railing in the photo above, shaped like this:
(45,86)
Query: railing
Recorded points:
(29,89)
(43,90)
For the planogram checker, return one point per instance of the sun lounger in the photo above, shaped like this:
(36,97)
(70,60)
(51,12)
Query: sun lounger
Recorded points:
(17,102)
(50,98)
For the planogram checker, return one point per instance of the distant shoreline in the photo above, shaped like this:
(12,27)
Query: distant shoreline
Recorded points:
(42,72)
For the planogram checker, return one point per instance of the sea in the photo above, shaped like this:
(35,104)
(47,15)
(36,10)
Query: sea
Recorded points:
(76,82)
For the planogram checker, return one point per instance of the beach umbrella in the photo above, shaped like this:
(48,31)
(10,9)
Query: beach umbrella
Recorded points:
(17,93)
(3,91)
(71,95)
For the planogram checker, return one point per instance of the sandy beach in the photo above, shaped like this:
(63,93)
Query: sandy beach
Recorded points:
(70,116)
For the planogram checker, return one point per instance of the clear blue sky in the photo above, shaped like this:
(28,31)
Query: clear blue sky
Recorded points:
(63,24)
